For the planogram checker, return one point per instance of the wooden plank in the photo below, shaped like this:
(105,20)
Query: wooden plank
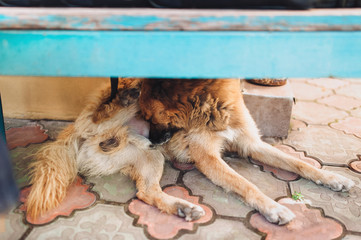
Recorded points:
(174,20)
(180,54)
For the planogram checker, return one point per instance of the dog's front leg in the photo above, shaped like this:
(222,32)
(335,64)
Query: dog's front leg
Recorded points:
(147,174)
(207,159)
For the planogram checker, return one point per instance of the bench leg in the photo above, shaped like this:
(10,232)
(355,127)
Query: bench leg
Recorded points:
(2,126)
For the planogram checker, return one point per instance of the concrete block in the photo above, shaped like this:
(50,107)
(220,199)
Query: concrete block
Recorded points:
(270,107)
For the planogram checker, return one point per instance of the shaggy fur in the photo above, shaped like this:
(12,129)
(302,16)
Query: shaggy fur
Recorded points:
(104,139)
(198,119)
(190,121)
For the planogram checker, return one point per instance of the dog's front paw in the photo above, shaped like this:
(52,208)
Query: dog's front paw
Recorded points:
(336,182)
(278,214)
(190,213)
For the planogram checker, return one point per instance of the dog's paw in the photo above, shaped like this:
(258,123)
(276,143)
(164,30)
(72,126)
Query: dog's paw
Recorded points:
(190,213)
(336,182)
(279,214)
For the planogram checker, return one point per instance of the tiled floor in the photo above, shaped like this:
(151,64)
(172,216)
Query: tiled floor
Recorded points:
(325,131)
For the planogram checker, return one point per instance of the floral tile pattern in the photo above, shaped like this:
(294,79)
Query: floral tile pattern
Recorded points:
(308,224)
(100,222)
(164,226)
(324,131)
(326,144)
(23,136)
(116,187)
(343,206)
(227,229)
(77,197)
(356,164)
(350,125)
(11,226)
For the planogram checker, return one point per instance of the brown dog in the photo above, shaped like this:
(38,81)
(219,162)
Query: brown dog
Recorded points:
(194,119)
(198,119)
(107,137)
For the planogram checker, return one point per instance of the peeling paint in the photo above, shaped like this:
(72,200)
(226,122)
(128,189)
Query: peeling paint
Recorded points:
(189,21)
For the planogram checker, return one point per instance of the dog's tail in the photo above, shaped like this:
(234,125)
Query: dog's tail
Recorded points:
(52,173)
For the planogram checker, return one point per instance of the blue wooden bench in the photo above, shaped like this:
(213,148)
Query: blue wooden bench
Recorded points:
(180,43)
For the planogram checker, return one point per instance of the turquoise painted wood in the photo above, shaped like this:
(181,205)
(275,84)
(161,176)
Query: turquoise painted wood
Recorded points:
(180,54)
(185,20)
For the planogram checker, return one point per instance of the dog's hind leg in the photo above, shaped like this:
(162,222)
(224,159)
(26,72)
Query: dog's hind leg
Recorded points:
(248,143)
(205,152)
(147,174)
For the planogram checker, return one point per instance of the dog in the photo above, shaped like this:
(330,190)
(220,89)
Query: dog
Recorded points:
(196,120)
(187,120)
(108,136)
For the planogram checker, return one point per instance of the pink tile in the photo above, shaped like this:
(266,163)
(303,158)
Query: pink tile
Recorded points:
(356,165)
(164,226)
(23,136)
(304,91)
(341,102)
(315,113)
(183,166)
(296,124)
(350,125)
(77,197)
(283,174)
(330,83)
(309,224)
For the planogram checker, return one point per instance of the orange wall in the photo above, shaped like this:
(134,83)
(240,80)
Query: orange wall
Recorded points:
(46,97)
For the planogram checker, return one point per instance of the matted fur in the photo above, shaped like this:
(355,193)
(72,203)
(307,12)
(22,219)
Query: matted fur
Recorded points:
(195,120)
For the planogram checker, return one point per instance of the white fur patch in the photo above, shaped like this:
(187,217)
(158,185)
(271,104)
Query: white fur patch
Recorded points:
(229,134)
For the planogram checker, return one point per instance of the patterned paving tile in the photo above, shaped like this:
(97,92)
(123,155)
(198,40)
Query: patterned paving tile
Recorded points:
(11,226)
(116,187)
(54,127)
(77,197)
(183,166)
(351,90)
(286,175)
(356,164)
(350,125)
(352,237)
(341,102)
(315,113)
(21,158)
(228,203)
(164,226)
(308,224)
(170,175)
(304,91)
(330,83)
(223,229)
(23,136)
(296,124)
(346,207)
(100,222)
(356,112)
(120,188)
(327,144)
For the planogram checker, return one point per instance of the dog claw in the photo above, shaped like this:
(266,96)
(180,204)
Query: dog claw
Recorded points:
(190,213)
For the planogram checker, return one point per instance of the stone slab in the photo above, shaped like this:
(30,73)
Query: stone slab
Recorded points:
(270,107)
